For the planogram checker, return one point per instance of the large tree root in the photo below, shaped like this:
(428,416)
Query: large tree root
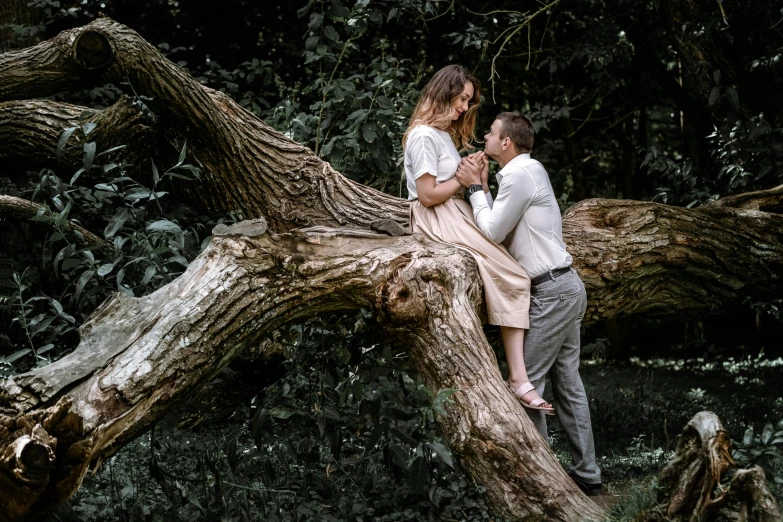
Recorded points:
(688,483)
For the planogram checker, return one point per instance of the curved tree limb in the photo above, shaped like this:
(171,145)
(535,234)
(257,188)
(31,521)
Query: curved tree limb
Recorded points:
(138,356)
(30,132)
(243,173)
(22,209)
(650,258)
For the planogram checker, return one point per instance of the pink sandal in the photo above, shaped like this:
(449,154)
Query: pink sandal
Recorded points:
(536,404)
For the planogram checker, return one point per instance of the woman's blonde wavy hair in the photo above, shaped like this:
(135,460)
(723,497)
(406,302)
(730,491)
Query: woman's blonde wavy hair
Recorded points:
(434,107)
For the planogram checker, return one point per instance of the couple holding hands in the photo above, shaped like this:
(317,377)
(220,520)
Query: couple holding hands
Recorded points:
(531,291)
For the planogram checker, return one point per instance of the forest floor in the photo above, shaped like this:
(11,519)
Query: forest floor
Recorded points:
(209,459)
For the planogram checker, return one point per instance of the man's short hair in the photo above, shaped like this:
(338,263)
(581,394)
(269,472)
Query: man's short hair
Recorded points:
(518,128)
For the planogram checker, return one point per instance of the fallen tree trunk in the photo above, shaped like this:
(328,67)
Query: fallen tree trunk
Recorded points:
(137,357)
(634,257)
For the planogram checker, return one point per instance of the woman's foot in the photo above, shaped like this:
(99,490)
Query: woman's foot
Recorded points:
(526,394)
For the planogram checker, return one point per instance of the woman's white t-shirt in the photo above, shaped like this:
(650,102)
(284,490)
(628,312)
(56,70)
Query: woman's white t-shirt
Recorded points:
(429,151)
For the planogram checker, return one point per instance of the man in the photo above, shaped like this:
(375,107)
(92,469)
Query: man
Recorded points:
(525,217)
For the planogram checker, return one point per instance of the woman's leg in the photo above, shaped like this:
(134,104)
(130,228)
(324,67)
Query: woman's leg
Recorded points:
(513,342)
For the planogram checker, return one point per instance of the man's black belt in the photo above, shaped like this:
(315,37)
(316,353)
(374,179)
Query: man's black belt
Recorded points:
(549,276)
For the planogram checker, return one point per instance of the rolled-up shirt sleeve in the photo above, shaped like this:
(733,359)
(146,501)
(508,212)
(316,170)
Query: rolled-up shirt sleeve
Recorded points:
(515,195)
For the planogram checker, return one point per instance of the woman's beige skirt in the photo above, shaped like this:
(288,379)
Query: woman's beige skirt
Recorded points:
(506,284)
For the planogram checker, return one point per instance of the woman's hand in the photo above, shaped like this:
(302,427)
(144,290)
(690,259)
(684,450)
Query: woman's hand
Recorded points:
(470,170)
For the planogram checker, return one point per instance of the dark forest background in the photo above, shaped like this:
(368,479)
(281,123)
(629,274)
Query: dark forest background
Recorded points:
(666,100)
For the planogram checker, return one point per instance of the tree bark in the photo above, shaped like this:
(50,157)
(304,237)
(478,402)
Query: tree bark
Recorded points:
(138,357)
(20,209)
(30,131)
(687,483)
(244,174)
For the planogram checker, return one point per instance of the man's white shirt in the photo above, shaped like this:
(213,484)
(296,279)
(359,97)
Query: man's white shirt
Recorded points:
(524,217)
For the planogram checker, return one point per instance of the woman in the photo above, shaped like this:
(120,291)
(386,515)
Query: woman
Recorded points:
(445,114)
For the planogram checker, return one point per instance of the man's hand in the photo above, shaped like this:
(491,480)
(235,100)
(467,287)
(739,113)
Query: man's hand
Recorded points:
(470,169)
(484,170)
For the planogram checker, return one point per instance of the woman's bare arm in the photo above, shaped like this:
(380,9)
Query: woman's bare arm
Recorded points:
(431,193)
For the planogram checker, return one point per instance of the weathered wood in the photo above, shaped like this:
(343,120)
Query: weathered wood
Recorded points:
(138,356)
(688,482)
(654,259)
(250,167)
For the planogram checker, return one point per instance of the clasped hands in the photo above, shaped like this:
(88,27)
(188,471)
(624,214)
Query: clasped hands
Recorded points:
(474,170)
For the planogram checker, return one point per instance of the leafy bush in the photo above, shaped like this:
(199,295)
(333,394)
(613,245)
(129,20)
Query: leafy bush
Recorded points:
(145,248)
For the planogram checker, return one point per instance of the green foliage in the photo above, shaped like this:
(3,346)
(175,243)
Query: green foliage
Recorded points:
(761,449)
(641,498)
(146,248)
(353,112)
(683,187)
